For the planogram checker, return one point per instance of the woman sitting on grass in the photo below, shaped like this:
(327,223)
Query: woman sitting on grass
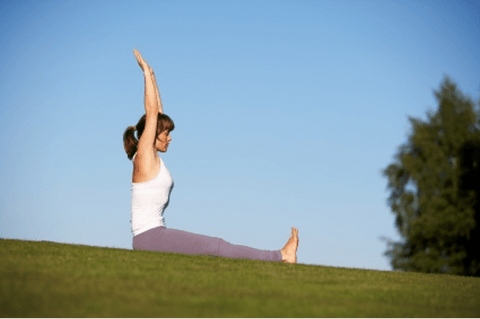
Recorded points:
(152,184)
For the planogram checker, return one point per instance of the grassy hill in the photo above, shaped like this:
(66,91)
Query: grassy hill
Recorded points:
(44,279)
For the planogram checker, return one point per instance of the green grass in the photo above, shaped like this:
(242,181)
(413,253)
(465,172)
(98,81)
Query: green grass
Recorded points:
(44,279)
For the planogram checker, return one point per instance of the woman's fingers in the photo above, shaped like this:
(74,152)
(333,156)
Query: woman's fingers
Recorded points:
(143,64)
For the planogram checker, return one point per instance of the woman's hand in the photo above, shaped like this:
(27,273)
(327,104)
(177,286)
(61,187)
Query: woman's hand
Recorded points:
(143,64)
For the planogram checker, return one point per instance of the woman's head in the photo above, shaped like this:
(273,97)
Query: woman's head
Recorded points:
(164,126)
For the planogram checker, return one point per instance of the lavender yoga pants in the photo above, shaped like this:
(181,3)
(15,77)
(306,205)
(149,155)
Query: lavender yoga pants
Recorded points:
(177,241)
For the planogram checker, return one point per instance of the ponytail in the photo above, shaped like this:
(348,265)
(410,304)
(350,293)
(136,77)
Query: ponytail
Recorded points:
(130,143)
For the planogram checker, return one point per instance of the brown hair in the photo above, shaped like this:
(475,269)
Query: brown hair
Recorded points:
(130,143)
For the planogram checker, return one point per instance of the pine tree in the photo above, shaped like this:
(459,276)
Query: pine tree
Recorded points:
(434,184)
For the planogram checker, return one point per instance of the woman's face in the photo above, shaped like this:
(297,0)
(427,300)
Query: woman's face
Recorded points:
(162,141)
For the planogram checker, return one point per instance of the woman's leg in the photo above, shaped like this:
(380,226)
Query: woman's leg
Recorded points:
(178,241)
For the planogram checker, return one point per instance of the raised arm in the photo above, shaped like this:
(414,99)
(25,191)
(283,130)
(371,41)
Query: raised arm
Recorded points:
(146,159)
(152,95)
(157,93)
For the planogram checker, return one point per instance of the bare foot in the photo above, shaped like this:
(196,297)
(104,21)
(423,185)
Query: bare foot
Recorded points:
(289,251)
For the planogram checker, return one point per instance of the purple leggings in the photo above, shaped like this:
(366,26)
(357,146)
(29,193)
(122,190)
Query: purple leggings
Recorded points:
(178,241)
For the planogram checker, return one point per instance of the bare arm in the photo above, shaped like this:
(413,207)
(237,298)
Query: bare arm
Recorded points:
(157,94)
(152,95)
(145,163)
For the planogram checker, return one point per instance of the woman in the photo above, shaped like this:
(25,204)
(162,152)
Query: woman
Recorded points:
(152,184)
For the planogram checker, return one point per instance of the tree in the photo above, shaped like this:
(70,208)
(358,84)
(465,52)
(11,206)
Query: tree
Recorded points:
(435,193)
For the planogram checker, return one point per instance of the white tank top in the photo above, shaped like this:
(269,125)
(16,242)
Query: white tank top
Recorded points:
(149,200)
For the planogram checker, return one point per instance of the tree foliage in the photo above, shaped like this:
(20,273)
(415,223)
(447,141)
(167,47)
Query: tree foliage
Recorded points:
(434,189)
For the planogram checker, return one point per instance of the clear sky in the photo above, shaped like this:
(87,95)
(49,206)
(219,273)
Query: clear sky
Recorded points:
(286,113)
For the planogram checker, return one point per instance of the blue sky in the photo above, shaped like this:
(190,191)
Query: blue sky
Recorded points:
(286,113)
